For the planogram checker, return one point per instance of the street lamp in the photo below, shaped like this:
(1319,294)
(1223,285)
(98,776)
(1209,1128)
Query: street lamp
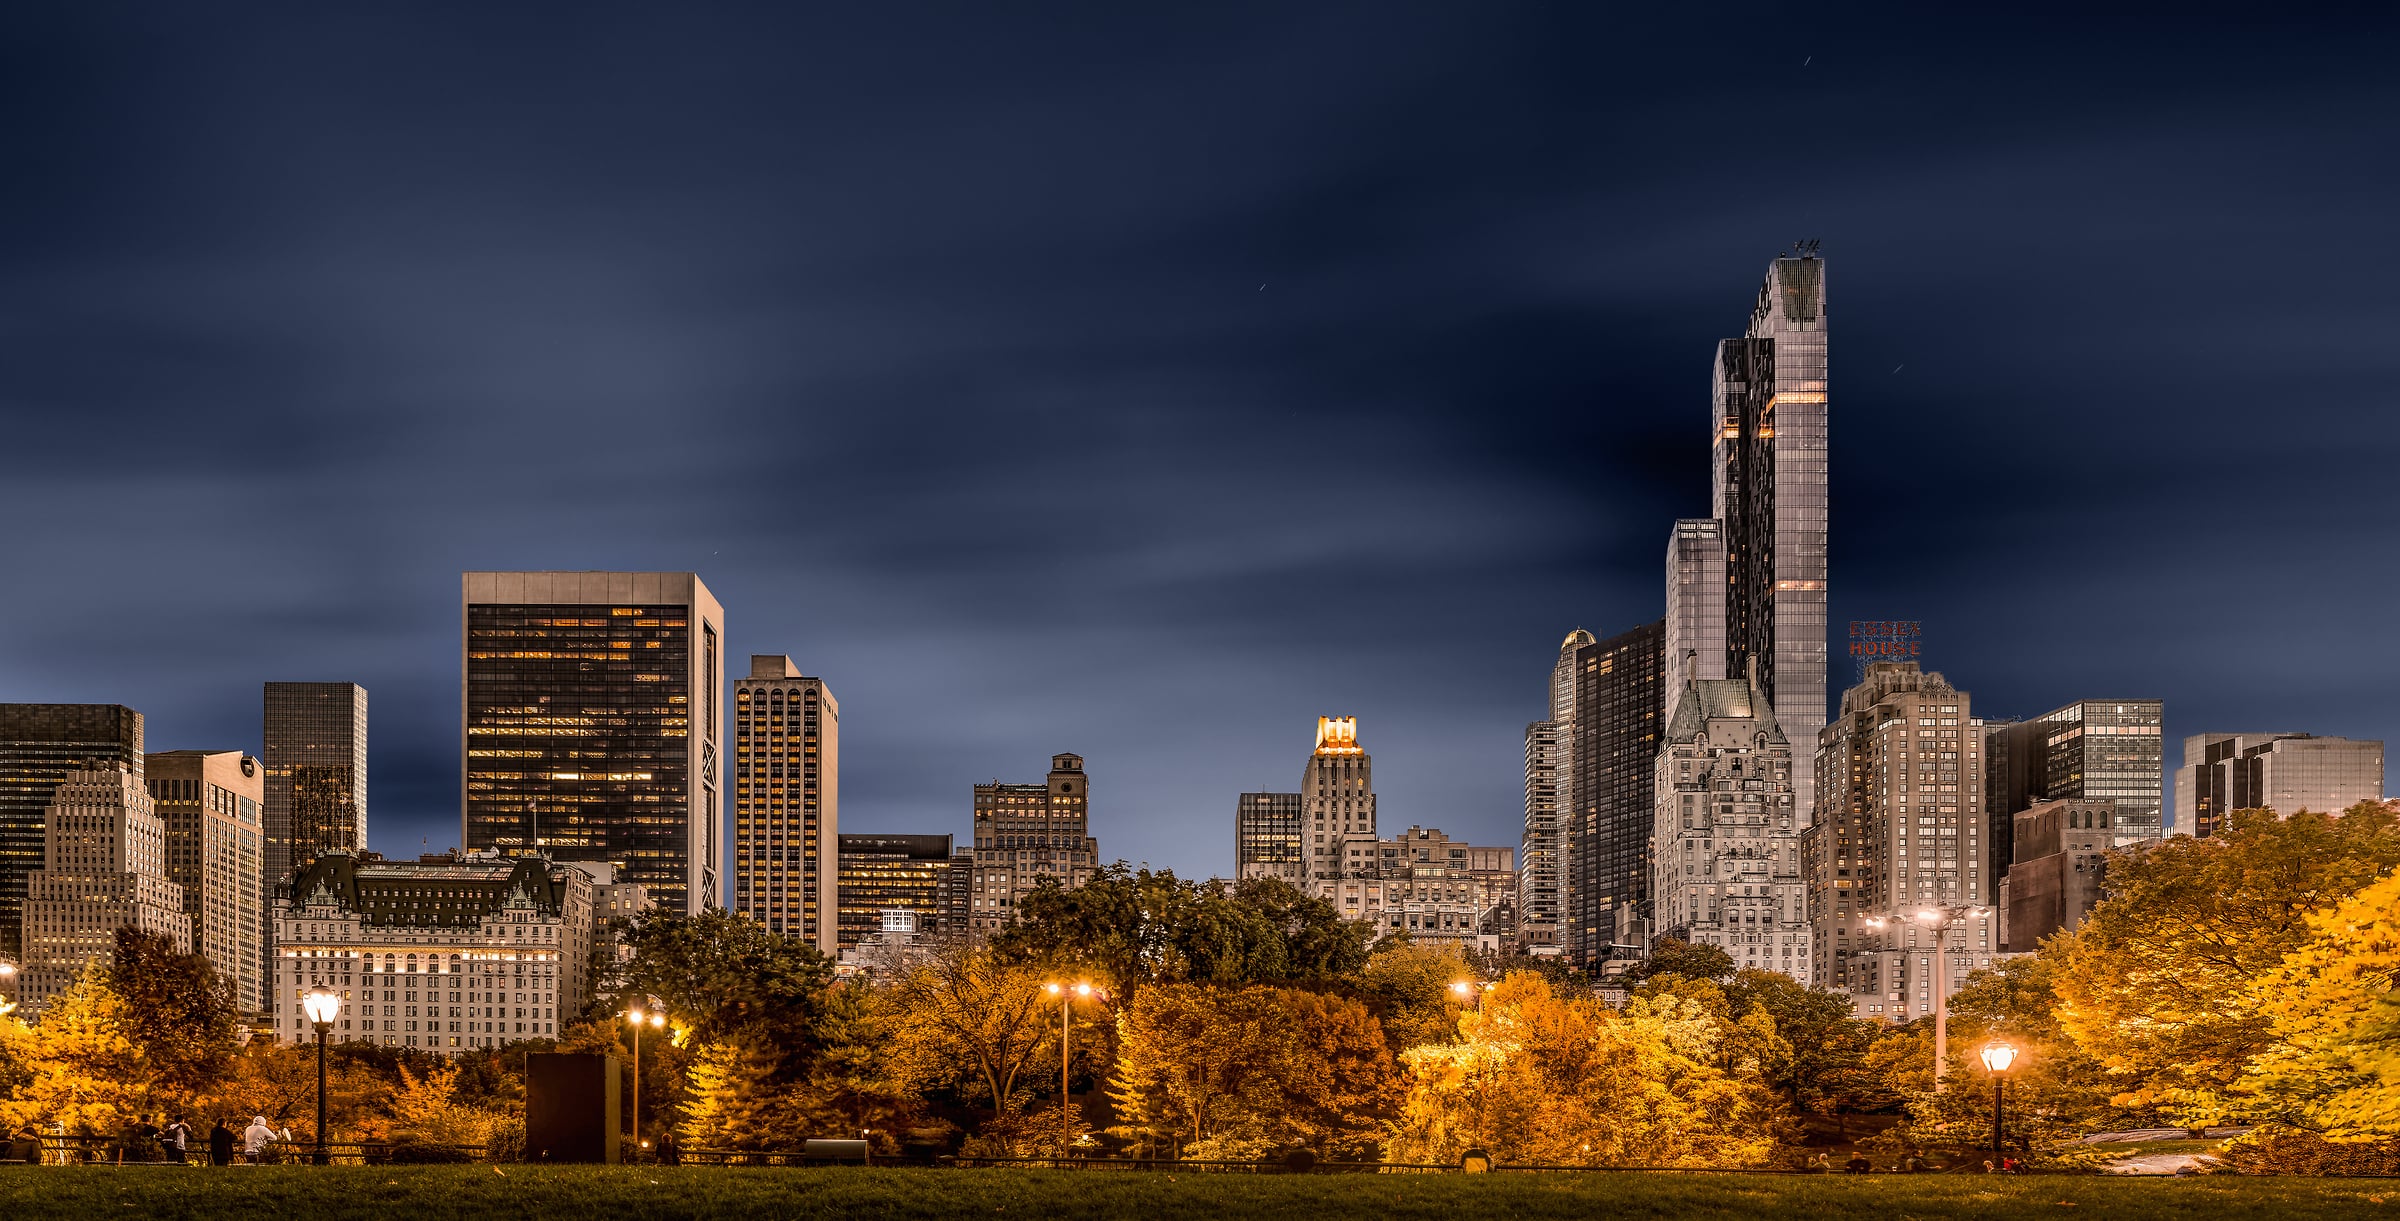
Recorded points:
(1942,920)
(1997,1057)
(1066,993)
(634,1018)
(321,1005)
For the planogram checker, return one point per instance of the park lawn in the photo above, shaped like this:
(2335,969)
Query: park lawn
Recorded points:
(432,1193)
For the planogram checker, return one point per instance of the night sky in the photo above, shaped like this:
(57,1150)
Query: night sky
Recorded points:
(1146,385)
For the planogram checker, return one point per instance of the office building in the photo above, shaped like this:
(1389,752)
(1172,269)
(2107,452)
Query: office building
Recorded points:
(1696,591)
(1337,799)
(882,874)
(2283,772)
(1430,887)
(316,762)
(1611,757)
(104,868)
(1540,853)
(1727,845)
(591,724)
(1898,832)
(444,954)
(1026,834)
(2090,750)
(1769,393)
(40,745)
(210,802)
(787,773)
(2059,870)
(1267,838)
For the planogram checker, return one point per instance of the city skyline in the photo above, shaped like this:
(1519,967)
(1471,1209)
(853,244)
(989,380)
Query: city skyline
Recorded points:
(1269,381)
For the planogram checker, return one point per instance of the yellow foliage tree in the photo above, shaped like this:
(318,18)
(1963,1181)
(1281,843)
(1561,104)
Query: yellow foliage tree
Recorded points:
(1535,1078)
(964,1019)
(2335,1068)
(1408,984)
(1240,1072)
(85,1074)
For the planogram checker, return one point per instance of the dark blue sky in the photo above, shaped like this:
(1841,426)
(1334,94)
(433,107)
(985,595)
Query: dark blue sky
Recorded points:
(1144,385)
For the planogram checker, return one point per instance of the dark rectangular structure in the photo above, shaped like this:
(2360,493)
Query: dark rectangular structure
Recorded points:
(881,873)
(39,745)
(316,763)
(1613,756)
(573,1111)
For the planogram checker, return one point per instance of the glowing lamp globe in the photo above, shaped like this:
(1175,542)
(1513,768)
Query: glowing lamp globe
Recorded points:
(1998,1057)
(321,1006)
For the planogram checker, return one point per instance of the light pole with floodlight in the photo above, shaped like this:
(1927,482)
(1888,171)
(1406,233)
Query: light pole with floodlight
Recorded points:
(1942,920)
(634,1018)
(8,970)
(1066,1101)
(1997,1057)
(321,1005)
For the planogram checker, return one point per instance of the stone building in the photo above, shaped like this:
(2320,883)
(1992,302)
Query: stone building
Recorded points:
(1726,848)
(2061,865)
(1025,833)
(1423,883)
(444,954)
(104,868)
(40,744)
(211,802)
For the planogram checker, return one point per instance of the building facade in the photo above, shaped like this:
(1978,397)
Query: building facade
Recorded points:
(1540,848)
(787,772)
(2090,750)
(1611,761)
(1727,844)
(1898,833)
(1430,887)
(1337,800)
(1025,833)
(882,874)
(1696,591)
(104,868)
(2060,868)
(444,954)
(591,724)
(1268,840)
(40,745)
(316,784)
(2284,772)
(211,803)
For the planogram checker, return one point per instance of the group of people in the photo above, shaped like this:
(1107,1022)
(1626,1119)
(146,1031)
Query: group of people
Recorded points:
(146,1141)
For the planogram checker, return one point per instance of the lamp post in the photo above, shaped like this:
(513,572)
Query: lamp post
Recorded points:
(8,970)
(1469,993)
(634,1018)
(1066,993)
(1997,1057)
(1942,920)
(321,1005)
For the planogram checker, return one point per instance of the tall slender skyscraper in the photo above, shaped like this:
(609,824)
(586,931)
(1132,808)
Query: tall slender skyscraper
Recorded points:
(1696,589)
(316,763)
(1769,466)
(1337,800)
(210,801)
(40,745)
(1611,760)
(1539,853)
(787,776)
(591,723)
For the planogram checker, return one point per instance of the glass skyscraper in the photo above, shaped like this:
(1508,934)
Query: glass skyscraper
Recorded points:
(316,764)
(1608,796)
(591,724)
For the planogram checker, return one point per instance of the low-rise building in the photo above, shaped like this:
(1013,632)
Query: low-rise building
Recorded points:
(1422,883)
(2062,858)
(884,875)
(444,954)
(2283,772)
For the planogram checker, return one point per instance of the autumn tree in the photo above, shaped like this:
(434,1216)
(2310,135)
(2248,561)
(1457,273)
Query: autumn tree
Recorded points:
(1127,928)
(176,1011)
(1237,1072)
(1408,985)
(2334,1066)
(2162,984)
(85,1072)
(963,1019)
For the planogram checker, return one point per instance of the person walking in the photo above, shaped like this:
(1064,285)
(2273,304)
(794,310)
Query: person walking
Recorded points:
(255,1139)
(176,1138)
(220,1144)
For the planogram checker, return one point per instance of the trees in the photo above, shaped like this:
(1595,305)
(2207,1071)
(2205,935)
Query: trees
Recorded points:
(1819,1039)
(965,1019)
(1407,984)
(2161,985)
(1690,960)
(1536,1078)
(86,1074)
(1127,928)
(722,975)
(176,1012)
(2330,1004)
(1238,1072)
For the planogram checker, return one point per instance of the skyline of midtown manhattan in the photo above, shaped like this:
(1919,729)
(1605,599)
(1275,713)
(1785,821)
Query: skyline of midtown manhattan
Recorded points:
(1146,385)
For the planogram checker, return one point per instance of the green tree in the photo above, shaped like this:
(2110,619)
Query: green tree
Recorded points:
(1127,928)
(176,1012)
(1819,1039)
(2161,984)
(720,975)
(1691,960)
(1409,986)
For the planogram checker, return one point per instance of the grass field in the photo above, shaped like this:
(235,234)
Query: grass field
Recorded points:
(430,1193)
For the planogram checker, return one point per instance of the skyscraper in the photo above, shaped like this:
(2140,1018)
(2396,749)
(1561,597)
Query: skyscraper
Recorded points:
(1899,831)
(1267,839)
(104,868)
(2090,750)
(1727,851)
(787,772)
(2283,772)
(1025,833)
(1337,799)
(1769,492)
(210,801)
(316,762)
(40,745)
(1539,852)
(590,723)
(1611,760)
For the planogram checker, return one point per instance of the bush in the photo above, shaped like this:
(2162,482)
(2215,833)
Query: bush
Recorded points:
(2286,1151)
(418,1153)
